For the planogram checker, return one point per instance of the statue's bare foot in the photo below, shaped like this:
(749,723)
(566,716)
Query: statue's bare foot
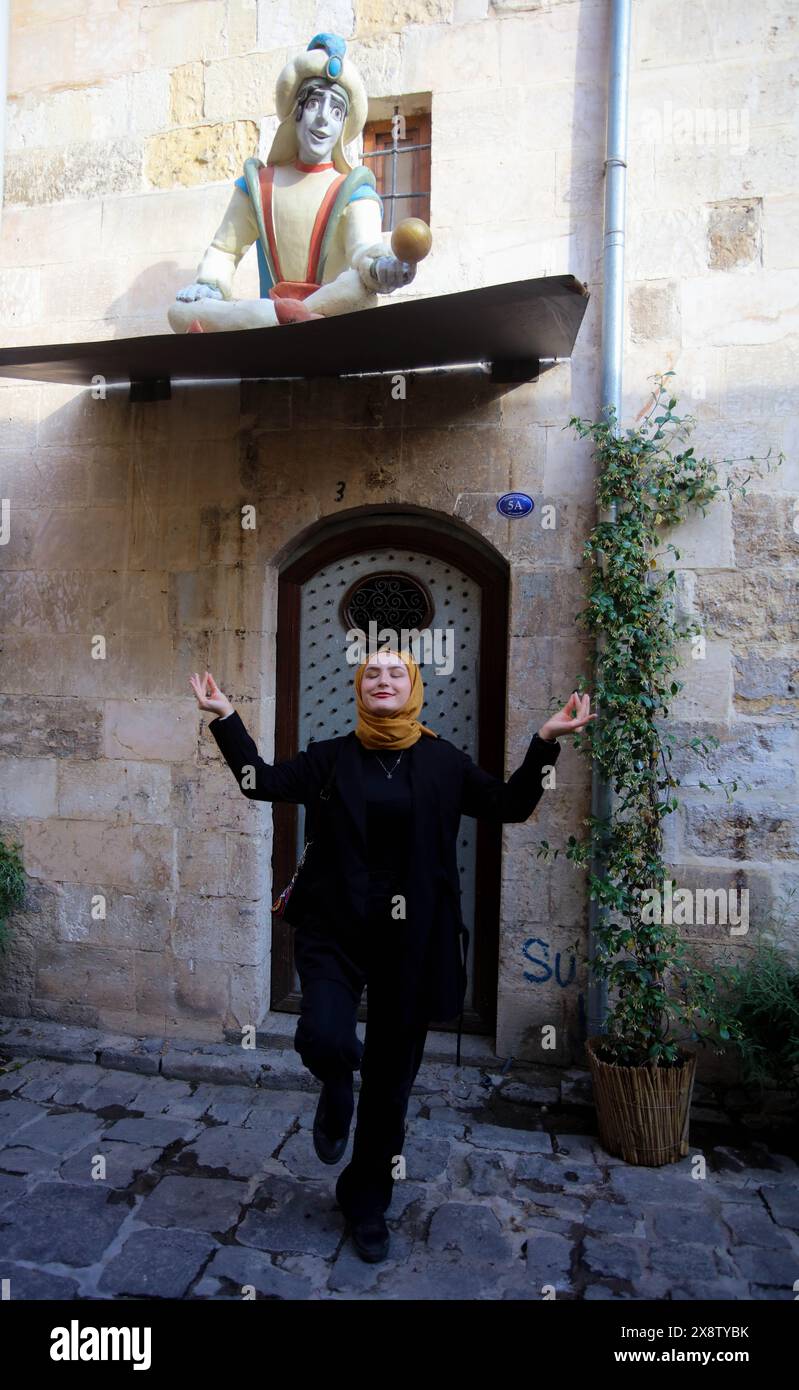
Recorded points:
(293,311)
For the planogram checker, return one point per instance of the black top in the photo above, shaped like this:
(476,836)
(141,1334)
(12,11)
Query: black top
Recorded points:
(388,820)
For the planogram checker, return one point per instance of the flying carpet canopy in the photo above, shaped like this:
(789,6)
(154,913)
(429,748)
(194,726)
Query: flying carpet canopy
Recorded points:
(510,327)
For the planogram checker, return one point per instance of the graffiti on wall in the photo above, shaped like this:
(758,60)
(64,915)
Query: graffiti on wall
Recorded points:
(537,952)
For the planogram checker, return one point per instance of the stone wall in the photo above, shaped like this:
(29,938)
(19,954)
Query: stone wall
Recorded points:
(126,124)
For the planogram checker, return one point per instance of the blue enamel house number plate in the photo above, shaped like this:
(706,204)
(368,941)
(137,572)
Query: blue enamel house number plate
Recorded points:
(515,504)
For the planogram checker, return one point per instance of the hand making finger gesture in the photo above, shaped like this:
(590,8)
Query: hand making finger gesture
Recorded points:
(576,713)
(209,696)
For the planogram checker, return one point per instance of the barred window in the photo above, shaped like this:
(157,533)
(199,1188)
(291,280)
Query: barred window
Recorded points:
(401,166)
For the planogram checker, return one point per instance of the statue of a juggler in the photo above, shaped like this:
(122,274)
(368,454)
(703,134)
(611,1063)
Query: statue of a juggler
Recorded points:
(315,218)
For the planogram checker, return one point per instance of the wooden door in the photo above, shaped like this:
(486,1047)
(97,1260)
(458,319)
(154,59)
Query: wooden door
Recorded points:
(429,580)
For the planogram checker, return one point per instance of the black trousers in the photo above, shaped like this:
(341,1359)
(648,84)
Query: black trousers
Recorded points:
(334,967)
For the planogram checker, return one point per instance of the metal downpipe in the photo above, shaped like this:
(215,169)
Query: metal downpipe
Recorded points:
(611,384)
(5,30)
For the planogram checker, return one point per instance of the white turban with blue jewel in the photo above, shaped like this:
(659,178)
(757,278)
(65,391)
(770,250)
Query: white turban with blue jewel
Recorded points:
(323,60)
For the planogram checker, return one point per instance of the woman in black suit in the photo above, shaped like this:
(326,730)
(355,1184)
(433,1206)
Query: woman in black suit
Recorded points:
(377,903)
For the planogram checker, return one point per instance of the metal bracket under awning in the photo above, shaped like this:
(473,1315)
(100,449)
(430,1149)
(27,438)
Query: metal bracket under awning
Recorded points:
(517,330)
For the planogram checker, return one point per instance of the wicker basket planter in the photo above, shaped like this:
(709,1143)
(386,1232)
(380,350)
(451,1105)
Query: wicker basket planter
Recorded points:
(644,1111)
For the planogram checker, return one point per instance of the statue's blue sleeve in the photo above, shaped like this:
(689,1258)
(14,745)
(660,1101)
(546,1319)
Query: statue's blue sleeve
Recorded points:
(366,192)
(241,183)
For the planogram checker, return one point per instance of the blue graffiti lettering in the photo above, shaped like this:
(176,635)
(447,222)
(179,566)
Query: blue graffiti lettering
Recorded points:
(536,979)
(572,971)
(545,966)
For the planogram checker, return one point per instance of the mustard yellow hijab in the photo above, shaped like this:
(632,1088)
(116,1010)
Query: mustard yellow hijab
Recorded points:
(401,728)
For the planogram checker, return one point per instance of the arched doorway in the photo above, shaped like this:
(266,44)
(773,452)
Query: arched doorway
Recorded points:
(402,569)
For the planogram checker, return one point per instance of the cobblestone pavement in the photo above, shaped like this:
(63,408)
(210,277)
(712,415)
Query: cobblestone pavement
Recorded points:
(212,1187)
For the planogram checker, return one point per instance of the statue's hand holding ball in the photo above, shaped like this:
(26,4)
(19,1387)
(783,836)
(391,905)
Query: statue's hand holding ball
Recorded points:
(411,240)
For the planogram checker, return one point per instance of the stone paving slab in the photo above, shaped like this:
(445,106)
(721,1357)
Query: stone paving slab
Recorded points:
(37,1284)
(123,1163)
(235,1268)
(61,1223)
(16,1159)
(193,1203)
(12,1187)
(239,1153)
(15,1114)
(157,1262)
(160,1131)
(211,1189)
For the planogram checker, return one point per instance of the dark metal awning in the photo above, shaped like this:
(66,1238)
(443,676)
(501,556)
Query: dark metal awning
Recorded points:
(516,329)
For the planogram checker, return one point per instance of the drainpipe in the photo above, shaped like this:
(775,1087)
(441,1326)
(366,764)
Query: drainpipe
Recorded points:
(612,355)
(5,25)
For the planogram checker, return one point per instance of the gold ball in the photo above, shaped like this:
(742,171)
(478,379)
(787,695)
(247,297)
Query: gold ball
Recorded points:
(411,239)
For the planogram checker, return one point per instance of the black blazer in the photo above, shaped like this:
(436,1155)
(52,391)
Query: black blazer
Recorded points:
(333,883)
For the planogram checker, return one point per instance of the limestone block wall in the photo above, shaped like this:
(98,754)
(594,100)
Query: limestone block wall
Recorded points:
(127,123)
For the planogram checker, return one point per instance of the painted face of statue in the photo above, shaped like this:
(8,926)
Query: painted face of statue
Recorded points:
(320,118)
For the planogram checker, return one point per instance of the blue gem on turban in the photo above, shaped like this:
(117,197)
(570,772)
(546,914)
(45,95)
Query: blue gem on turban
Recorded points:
(335,47)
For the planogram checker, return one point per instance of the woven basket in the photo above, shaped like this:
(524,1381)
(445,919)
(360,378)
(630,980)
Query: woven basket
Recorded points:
(643,1111)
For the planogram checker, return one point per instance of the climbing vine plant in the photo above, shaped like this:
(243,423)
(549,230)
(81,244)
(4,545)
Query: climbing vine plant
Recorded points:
(12,887)
(653,476)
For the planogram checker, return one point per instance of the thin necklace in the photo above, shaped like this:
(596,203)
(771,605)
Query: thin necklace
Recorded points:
(394,768)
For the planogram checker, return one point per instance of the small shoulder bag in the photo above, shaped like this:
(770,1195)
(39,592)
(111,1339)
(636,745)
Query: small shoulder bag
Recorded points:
(281,902)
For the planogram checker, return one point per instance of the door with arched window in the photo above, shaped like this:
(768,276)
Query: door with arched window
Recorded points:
(452,589)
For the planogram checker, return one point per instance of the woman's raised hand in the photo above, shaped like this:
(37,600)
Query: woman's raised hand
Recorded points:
(209,696)
(574,716)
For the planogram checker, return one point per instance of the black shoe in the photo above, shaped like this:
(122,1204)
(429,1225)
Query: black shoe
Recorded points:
(370,1236)
(329,1149)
